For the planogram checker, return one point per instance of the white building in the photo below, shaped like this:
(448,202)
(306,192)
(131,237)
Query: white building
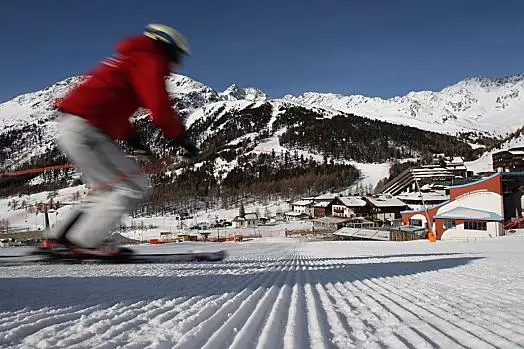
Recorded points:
(385,208)
(455,165)
(303,206)
(347,206)
(249,220)
(467,222)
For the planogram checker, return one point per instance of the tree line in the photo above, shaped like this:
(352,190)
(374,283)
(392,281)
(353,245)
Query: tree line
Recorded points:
(364,140)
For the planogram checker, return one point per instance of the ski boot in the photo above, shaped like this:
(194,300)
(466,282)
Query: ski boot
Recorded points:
(56,249)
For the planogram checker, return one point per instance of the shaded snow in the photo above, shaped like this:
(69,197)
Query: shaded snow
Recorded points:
(371,174)
(277,293)
(22,219)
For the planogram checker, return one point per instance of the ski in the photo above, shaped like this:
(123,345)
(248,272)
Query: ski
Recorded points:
(44,257)
(202,256)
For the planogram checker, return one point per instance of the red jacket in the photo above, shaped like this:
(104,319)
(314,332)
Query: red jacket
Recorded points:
(120,85)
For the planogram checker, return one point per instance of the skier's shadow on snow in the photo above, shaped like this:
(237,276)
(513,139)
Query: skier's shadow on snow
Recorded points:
(57,292)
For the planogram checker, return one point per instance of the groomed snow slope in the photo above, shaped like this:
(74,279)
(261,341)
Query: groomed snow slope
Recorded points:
(277,293)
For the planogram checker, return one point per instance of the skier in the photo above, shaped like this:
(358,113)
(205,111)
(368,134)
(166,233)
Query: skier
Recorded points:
(96,113)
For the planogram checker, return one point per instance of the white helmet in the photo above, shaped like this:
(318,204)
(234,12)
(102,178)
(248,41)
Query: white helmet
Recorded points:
(176,43)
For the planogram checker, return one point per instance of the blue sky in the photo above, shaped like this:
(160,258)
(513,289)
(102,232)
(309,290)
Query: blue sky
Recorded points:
(373,47)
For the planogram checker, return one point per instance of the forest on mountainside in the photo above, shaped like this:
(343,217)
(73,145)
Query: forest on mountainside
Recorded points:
(264,177)
(361,139)
(231,135)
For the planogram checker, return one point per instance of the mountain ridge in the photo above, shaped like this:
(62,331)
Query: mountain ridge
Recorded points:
(490,106)
(239,125)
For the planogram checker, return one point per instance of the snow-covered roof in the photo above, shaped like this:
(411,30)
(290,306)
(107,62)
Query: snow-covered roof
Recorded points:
(352,201)
(325,197)
(322,204)
(384,201)
(251,216)
(428,196)
(455,160)
(302,203)
(513,151)
(470,214)
(458,168)
(247,217)
(371,234)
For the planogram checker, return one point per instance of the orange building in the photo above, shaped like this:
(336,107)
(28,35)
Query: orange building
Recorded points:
(475,210)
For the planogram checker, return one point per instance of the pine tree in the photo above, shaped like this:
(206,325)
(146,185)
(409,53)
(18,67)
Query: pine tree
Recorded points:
(241,211)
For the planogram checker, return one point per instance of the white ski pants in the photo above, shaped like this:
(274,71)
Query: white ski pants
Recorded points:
(119,185)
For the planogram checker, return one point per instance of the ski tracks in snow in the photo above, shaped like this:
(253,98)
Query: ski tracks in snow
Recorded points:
(267,296)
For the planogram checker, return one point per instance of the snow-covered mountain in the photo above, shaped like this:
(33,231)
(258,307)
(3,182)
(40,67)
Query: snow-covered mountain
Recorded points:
(233,92)
(475,104)
(28,123)
(32,116)
(29,126)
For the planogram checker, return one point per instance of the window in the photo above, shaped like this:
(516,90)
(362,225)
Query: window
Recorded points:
(449,224)
(415,222)
(472,225)
(338,211)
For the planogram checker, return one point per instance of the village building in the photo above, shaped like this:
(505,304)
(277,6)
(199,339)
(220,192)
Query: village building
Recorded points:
(362,234)
(412,179)
(478,223)
(385,208)
(475,210)
(419,200)
(249,220)
(303,206)
(322,209)
(360,223)
(296,216)
(187,237)
(455,165)
(509,160)
(329,223)
(349,206)
(407,233)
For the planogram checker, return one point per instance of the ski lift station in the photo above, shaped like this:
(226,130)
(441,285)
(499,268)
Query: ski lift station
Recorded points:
(475,210)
